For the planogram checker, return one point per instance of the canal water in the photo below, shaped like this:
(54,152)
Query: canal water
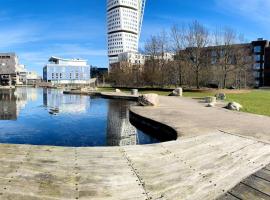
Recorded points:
(49,117)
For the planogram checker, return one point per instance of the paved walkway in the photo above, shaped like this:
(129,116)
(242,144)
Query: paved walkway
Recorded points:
(191,118)
(205,164)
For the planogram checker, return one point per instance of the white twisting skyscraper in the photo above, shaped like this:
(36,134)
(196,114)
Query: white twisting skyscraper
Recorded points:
(124,21)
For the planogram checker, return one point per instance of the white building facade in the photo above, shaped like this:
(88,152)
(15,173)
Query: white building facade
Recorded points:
(124,21)
(67,71)
(140,59)
(132,58)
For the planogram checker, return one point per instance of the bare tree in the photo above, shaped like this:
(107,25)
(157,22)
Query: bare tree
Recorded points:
(163,46)
(197,40)
(178,36)
(243,66)
(228,54)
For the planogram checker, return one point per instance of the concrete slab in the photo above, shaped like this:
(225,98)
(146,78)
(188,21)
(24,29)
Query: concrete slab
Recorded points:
(205,163)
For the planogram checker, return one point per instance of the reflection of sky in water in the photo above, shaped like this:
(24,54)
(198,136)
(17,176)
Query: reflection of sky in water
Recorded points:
(48,117)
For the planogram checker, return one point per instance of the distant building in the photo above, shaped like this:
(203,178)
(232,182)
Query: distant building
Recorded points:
(32,78)
(13,73)
(132,58)
(8,65)
(124,21)
(140,59)
(261,52)
(66,71)
(98,72)
(22,73)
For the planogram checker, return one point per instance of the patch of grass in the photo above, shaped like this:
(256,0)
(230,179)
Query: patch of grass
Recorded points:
(110,89)
(161,93)
(141,91)
(255,101)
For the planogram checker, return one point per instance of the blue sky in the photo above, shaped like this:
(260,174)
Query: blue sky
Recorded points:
(38,29)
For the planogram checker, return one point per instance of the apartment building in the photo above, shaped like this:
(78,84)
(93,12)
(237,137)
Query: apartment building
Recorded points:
(261,52)
(257,56)
(8,69)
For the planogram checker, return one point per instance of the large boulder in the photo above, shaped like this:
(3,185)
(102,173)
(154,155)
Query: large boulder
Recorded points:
(211,105)
(221,96)
(117,90)
(148,100)
(210,99)
(178,92)
(234,106)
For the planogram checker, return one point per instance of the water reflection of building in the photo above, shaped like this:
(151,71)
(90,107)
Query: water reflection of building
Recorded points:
(11,103)
(119,130)
(57,102)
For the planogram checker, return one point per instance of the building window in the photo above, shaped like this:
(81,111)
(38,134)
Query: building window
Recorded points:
(256,74)
(257,49)
(257,58)
(257,66)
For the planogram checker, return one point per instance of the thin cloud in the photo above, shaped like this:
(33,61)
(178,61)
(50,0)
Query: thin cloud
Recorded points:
(16,36)
(257,10)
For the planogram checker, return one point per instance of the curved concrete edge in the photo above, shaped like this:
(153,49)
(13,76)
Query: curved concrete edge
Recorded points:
(81,93)
(159,130)
(114,95)
(106,95)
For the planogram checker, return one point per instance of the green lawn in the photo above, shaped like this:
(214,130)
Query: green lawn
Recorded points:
(162,93)
(255,101)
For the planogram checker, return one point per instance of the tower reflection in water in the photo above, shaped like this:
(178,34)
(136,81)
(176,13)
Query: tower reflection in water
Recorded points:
(119,130)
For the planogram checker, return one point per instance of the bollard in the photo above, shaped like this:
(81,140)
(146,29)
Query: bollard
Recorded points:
(134,92)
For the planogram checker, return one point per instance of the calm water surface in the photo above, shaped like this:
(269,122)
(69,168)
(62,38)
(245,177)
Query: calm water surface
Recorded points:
(49,117)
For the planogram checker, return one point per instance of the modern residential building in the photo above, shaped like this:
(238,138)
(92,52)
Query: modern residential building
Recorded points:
(140,59)
(124,21)
(132,58)
(22,73)
(261,52)
(257,54)
(98,72)
(32,78)
(66,71)
(13,73)
(8,66)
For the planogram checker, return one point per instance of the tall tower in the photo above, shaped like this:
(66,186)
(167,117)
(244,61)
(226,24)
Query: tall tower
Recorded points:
(124,22)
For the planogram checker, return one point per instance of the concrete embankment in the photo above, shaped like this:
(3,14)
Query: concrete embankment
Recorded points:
(215,150)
